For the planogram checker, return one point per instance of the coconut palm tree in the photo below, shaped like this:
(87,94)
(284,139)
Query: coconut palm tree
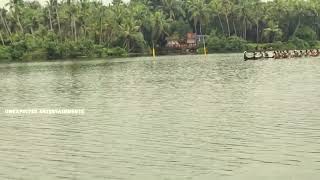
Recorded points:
(173,8)
(198,12)
(156,25)
(226,11)
(215,7)
(3,15)
(15,7)
(272,32)
(256,15)
(130,30)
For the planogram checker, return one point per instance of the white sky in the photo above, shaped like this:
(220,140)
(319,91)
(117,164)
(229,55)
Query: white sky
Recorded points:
(3,2)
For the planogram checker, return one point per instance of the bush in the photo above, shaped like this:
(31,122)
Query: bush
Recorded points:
(306,33)
(116,52)
(289,46)
(54,51)
(215,43)
(71,49)
(86,47)
(222,44)
(250,46)
(98,50)
(294,43)
(17,49)
(139,44)
(200,50)
(297,43)
(235,43)
(314,44)
(278,45)
(4,53)
(39,54)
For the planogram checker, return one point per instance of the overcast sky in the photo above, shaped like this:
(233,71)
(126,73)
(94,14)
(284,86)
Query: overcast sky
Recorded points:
(3,2)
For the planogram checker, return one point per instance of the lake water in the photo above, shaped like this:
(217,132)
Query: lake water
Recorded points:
(172,118)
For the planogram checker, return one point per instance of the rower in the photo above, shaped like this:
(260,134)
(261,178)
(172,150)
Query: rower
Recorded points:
(301,53)
(245,55)
(296,54)
(275,56)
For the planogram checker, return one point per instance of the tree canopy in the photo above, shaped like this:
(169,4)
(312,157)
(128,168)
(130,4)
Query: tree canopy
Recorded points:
(75,28)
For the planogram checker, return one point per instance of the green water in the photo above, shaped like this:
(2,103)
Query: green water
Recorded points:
(173,118)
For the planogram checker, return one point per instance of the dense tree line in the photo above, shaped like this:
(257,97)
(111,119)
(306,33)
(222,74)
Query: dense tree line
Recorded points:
(76,28)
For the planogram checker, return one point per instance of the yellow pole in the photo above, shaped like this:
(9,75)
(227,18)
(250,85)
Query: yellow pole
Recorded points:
(153,51)
(204,41)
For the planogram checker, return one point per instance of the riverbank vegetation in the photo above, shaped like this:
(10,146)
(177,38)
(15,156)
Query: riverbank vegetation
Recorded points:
(87,28)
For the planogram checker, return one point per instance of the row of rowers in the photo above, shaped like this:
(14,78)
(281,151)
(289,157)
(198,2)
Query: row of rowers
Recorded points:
(283,54)
(295,53)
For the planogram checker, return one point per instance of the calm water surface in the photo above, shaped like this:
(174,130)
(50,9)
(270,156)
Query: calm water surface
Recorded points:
(173,118)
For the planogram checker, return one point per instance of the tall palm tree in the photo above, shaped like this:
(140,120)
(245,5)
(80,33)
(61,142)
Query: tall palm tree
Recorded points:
(157,25)
(226,10)
(299,8)
(199,12)
(244,12)
(272,31)
(215,6)
(49,5)
(1,37)
(3,13)
(130,30)
(173,8)
(256,16)
(15,7)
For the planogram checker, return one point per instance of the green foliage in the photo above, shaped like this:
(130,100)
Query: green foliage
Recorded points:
(72,29)
(86,47)
(297,43)
(138,44)
(315,44)
(180,27)
(222,44)
(306,33)
(215,43)
(101,51)
(98,50)
(54,50)
(235,43)
(39,54)
(278,45)
(201,49)
(251,47)
(70,49)
(17,49)
(4,53)
(118,51)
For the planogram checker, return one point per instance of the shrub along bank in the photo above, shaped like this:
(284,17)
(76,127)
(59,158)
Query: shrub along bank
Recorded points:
(304,38)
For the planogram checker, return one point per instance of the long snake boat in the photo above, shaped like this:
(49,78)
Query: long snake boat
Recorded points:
(281,54)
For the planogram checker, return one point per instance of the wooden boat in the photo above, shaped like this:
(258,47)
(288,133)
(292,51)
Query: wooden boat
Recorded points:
(254,57)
